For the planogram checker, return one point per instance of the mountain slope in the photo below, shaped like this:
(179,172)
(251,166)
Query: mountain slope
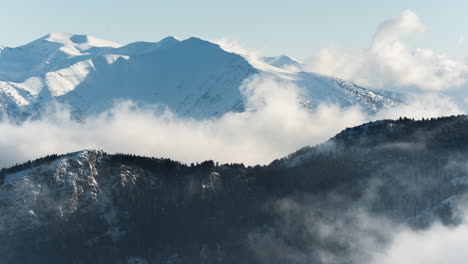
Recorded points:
(92,207)
(90,74)
(193,78)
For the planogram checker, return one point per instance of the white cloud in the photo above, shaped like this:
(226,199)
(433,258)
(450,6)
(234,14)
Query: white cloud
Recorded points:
(279,126)
(365,237)
(390,63)
(234,46)
(423,105)
(438,244)
(392,30)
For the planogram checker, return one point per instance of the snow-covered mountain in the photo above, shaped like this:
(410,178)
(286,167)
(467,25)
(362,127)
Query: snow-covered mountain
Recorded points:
(282,62)
(192,77)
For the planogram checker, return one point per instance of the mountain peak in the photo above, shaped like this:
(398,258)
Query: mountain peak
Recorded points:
(198,41)
(79,42)
(282,61)
(169,39)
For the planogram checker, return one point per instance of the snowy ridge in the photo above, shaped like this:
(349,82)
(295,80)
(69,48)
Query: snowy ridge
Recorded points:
(192,77)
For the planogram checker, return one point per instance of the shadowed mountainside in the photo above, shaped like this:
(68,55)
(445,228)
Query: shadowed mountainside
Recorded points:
(94,207)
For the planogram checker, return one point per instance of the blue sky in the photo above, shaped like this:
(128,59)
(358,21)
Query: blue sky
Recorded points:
(299,28)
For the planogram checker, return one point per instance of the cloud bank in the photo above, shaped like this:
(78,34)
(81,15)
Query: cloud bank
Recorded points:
(391,63)
(279,125)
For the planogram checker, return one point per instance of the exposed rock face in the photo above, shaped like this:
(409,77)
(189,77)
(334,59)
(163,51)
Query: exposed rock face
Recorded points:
(89,199)
(56,189)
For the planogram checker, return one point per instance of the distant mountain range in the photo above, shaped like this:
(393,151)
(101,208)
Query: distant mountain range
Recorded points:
(192,77)
(93,207)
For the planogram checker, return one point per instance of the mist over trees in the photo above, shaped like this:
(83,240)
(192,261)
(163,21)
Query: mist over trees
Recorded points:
(403,171)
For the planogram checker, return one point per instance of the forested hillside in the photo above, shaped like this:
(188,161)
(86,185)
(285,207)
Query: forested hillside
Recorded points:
(94,207)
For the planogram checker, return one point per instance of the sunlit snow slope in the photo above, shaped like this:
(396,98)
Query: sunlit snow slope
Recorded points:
(193,77)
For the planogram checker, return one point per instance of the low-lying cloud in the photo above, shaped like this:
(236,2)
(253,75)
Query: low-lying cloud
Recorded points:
(438,244)
(336,227)
(278,126)
(335,232)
